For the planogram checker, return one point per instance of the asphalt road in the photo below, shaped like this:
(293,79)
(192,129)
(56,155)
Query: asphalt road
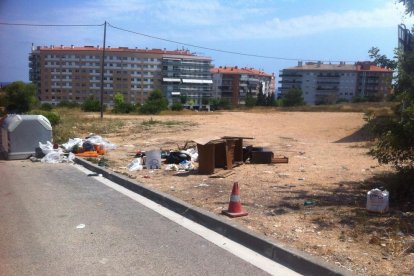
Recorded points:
(56,220)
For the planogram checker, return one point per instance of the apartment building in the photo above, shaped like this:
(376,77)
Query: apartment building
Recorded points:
(328,83)
(234,83)
(187,76)
(74,73)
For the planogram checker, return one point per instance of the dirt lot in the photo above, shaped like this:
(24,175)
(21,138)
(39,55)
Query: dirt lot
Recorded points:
(328,166)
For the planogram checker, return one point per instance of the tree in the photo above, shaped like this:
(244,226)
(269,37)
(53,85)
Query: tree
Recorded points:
(382,60)
(118,99)
(250,101)
(293,97)
(409,6)
(91,105)
(271,100)
(261,99)
(155,103)
(395,134)
(191,103)
(20,97)
(183,99)
(120,106)
(204,101)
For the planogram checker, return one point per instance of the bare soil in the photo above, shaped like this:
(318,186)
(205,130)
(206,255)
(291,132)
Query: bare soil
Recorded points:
(328,167)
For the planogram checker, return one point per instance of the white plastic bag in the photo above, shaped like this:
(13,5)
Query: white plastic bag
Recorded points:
(377,201)
(98,140)
(46,148)
(171,167)
(71,157)
(135,165)
(193,153)
(186,165)
(53,157)
(68,146)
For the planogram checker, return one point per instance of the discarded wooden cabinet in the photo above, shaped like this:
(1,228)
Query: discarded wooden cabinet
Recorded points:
(219,152)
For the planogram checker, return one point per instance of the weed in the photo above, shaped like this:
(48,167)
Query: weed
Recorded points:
(151,122)
(168,123)
(92,160)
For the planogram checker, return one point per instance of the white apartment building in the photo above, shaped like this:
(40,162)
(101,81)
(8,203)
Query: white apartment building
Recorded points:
(328,83)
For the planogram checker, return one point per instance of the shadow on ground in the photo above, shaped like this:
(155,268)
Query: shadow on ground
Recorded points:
(361,135)
(344,205)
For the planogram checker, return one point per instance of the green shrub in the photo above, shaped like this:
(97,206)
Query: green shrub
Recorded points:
(120,106)
(46,107)
(68,104)
(293,97)
(155,103)
(20,97)
(92,105)
(177,106)
(124,108)
(342,100)
(220,103)
(250,101)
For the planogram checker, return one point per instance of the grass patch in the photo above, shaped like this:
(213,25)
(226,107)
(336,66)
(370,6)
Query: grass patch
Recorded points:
(168,123)
(75,123)
(376,108)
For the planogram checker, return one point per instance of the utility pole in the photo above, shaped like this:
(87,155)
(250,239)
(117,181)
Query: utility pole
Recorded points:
(102,69)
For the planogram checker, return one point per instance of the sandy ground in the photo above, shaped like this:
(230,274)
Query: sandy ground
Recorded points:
(328,166)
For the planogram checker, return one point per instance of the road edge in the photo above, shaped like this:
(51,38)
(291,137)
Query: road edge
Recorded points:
(296,260)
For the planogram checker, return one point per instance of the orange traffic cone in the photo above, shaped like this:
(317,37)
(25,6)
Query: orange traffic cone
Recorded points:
(235,209)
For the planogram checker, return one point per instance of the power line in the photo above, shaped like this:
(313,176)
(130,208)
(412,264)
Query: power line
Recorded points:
(171,41)
(222,51)
(50,25)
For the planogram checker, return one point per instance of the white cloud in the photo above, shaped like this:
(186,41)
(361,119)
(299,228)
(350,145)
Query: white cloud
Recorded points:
(390,15)
(213,20)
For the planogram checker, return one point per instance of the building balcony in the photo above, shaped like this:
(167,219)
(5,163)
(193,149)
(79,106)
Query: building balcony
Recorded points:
(288,75)
(329,76)
(290,81)
(327,82)
(326,89)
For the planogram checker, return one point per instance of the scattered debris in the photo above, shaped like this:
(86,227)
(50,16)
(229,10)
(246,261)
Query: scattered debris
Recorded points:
(176,157)
(153,159)
(171,167)
(135,165)
(201,185)
(280,160)
(377,201)
(222,174)
(309,203)
(91,147)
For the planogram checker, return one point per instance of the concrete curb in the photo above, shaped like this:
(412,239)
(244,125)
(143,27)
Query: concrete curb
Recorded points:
(296,260)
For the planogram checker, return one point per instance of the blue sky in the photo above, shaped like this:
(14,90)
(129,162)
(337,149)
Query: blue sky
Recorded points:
(328,30)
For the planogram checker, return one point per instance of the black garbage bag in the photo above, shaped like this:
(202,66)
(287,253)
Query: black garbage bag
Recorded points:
(176,157)
(88,146)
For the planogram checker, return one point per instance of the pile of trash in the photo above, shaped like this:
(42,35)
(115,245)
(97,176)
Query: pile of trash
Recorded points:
(91,146)
(178,160)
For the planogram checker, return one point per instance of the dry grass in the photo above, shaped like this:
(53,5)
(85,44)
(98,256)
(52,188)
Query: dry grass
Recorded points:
(75,123)
(328,166)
